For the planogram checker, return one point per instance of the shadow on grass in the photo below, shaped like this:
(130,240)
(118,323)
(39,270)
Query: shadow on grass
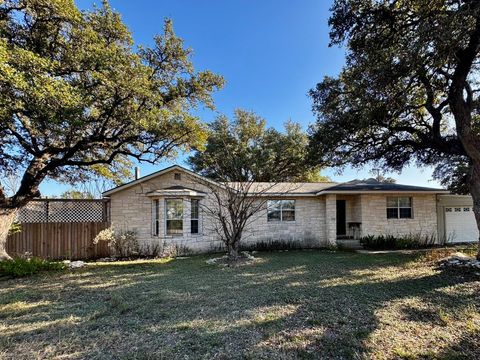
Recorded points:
(295,304)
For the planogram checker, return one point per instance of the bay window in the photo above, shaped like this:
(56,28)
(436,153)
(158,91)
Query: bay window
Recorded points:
(174,216)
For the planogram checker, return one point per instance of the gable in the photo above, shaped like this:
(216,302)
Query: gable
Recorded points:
(174,170)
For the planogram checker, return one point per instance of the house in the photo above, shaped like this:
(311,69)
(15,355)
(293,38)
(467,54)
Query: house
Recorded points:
(166,208)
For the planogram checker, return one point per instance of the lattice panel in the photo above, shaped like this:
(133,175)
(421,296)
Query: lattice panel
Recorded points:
(63,211)
(34,211)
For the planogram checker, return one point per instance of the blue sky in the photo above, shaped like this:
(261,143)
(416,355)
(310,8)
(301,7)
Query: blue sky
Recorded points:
(271,52)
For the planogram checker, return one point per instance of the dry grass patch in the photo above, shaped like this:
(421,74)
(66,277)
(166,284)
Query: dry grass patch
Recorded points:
(289,305)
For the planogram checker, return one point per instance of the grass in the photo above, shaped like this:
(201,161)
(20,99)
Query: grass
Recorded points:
(289,305)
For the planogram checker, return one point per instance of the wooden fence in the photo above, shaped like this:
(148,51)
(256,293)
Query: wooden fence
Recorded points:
(58,240)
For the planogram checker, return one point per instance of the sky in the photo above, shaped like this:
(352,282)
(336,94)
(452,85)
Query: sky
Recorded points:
(270,52)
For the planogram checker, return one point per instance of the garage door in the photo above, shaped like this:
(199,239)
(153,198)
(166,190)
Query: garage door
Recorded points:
(460,224)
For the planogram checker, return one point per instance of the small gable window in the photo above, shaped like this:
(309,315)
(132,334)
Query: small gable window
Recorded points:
(399,207)
(177,176)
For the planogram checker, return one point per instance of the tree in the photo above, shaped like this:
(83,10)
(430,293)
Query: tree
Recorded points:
(409,89)
(248,161)
(78,100)
(76,195)
(263,154)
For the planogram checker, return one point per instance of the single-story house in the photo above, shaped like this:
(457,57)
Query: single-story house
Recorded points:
(166,207)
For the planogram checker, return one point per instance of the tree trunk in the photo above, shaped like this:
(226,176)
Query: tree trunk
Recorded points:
(475,192)
(7,217)
(233,250)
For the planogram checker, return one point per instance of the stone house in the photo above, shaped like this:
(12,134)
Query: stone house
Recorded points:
(168,207)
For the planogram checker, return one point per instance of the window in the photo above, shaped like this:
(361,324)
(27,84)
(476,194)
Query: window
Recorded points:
(458,209)
(177,176)
(156,217)
(174,217)
(466,209)
(281,210)
(194,216)
(399,207)
(448,209)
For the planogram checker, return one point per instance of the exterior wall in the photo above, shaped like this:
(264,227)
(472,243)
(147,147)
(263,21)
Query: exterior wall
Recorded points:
(375,222)
(308,227)
(131,209)
(314,225)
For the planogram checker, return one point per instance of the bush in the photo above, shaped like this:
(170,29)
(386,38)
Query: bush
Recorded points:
(273,245)
(20,267)
(392,242)
(122,244)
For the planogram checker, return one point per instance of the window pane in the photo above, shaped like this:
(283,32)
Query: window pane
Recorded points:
(174,209)
(174,227)
(392,201)
(392,213)
(156,217)
(195,208)
(405,213)
(274,205)
(288,204)
(404,201)
(288,215)
(273,215)
(194,226)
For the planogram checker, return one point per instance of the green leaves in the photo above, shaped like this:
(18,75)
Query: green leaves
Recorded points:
(77,100)
(245,150)
(392,102)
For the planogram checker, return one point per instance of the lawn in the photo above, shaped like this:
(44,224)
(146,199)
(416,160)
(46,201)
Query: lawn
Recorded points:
(310,304)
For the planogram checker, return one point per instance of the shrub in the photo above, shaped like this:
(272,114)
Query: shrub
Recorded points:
(121,244)
(20,267)
(273,245)
(403,242)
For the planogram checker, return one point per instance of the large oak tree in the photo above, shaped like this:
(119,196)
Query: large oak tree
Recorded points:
(77,99)
(409,89)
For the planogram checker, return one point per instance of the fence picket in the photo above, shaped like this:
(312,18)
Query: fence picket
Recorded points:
(58,240)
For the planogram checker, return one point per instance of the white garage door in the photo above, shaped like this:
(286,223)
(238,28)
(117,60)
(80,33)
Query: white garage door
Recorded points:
(460,224)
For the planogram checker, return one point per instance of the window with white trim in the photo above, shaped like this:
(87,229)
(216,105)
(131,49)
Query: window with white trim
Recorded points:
(156,217)
(399,207)
(281,210)
(194,216)
(174,217)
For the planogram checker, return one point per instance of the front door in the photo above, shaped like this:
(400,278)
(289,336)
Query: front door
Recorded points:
(341,218)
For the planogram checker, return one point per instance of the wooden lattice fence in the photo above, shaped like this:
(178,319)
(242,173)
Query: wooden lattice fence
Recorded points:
(61,229)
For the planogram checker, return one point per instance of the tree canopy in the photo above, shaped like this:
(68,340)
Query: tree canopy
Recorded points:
(78,99)
(244,149)
(394,100)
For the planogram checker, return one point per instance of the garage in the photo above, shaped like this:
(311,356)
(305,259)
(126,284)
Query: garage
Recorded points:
(456,219)
(460,224)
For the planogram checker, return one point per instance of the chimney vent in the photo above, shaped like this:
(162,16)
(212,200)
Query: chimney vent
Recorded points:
(137,173)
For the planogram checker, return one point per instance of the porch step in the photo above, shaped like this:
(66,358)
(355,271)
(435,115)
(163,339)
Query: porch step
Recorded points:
(349,244)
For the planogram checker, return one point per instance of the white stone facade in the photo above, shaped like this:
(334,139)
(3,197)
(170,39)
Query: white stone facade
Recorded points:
(314,225)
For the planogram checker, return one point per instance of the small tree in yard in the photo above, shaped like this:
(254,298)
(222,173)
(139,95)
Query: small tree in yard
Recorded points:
(408,92)
(248,162)
(78,101)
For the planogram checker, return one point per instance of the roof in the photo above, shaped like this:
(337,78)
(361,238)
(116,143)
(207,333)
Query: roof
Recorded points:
(287,188)
(153,175)
(175,191)
(372,185)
